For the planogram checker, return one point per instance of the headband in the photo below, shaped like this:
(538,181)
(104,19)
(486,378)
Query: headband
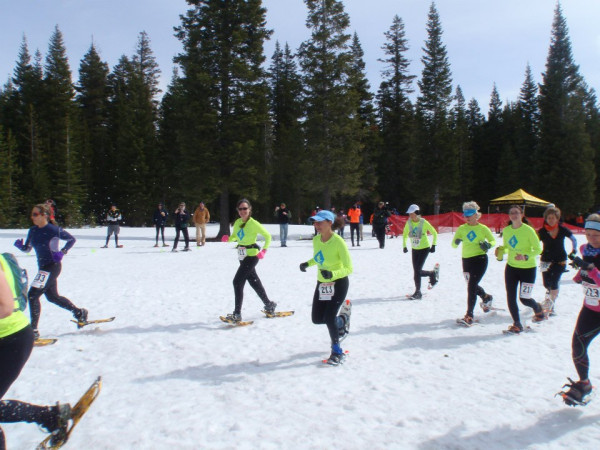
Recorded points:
(592,225)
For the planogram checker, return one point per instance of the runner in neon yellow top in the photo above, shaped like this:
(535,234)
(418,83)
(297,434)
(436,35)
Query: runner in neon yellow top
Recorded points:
(245,231)
(15,349)
(522,244)
(476,240)
(332,258)
(417,229)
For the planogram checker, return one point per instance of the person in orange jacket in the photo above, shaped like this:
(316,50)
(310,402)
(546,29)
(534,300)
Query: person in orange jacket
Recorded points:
(354,217)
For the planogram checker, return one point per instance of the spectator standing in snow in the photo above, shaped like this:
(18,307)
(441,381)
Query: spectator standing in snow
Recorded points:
(160,221)
(201,218)
(283,215)
(113,219)
(181,226)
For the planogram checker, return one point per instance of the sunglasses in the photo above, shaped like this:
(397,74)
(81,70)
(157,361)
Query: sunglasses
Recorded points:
(242,209)
(35,214)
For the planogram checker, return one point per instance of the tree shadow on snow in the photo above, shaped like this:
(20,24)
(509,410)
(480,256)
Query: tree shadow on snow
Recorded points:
(547,429)
(156,328)
(231,373)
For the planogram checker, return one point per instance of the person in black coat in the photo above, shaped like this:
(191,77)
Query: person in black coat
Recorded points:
(380,218)
(160,220)
(182,216)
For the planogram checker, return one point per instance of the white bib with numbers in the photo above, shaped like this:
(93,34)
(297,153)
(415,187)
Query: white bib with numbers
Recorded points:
(40,279)
(591,294)
(326,291)
(241,253)
(526,290)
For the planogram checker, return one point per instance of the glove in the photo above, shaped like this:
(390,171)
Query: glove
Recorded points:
(225,238)
(572,254)
(579,263)
(326,274)
(57,256)
(64,251)
(303,266)
(485,246)
(405,250)
(261,254)
(19,244)
(457,241)
(432,249)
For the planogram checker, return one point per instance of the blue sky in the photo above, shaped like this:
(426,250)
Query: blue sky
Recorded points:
(488,41)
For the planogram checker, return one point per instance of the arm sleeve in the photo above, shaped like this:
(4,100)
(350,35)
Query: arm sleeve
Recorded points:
(405,234)
(428,227)
(574,242)
(27,244)
(263,231)
(346,263)
(536,245)
(65,236)
(490,237)
(457,235)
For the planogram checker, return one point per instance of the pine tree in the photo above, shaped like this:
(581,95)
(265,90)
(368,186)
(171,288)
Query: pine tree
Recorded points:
(332,133)
(396,160)
(225,91)
(93,135)
(526,134)
(437,163)
(289,164)
(492,151)
(10,198)
(565,152)
(460,131)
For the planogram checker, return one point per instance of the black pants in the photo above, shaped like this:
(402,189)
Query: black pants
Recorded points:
(353,228)
(247,272)
(586,329)
(14,353)
(475,267)
(186,236)
(50,290)
(160,229)
(380,234)
(113,229)
(551,277)
(326,311)
(418,260)
(512,278)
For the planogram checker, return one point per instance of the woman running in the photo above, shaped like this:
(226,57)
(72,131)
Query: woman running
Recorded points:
(331,255)
(16,343)
(245,230)
(45,238)
(588,322)
(521,243)
(554,257)
(416,229)
(476,240)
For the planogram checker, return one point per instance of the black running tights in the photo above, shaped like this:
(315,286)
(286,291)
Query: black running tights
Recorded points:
(50,290)
(475,267)
(586,329)
(247,272)
(513,277)
(418,260)
(326,311)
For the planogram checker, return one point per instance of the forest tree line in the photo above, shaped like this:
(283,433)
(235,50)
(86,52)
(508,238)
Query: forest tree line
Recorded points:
(303,127)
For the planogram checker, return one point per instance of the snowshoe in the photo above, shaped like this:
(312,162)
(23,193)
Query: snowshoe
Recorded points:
(270,308)
(486,303)
(466,321)
(416,296)
(579,393)
(433,279)
(345,313)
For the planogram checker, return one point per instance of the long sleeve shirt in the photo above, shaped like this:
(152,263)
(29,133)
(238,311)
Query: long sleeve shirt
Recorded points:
(332,255)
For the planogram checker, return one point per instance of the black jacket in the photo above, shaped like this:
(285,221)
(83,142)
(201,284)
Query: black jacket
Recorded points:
(159,219)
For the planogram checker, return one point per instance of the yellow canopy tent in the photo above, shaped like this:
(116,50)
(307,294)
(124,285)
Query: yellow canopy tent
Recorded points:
(519,197)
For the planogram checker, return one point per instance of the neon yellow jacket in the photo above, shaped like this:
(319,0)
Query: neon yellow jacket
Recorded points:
(332,255)
(417,232)
(521,241)
(17,320)
(246,235)
(471,236)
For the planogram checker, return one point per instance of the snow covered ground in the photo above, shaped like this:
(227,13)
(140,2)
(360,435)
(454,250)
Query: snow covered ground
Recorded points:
(177,377)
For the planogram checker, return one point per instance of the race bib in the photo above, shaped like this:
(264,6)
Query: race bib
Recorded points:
(326,291)
(544,266)
(40,279)
(526,290)
(591,294)
(414,242)
(467,275)
(241,253)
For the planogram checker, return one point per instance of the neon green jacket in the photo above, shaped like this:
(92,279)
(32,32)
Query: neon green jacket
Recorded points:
(332,255)
(521,241)
(417,232)
(246,235)
(17,320)
(471,236)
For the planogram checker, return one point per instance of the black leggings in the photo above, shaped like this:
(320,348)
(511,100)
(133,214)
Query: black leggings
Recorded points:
(380,233)
(161,229)
(353,228)
(186,236)
(418,260)
(326,311)
(247,272)
(586,329)
(50,290)
(551,277)
(475,267)
(14,353)
(512,278)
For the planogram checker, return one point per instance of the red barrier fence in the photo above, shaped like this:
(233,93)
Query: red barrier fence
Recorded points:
(449,222)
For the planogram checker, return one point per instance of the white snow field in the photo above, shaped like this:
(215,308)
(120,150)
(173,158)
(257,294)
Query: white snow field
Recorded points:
(175,377)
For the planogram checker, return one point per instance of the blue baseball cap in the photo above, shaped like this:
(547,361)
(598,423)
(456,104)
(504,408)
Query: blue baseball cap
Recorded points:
(323,215)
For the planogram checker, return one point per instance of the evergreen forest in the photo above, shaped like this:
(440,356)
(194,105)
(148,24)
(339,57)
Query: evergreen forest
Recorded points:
(301,126)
